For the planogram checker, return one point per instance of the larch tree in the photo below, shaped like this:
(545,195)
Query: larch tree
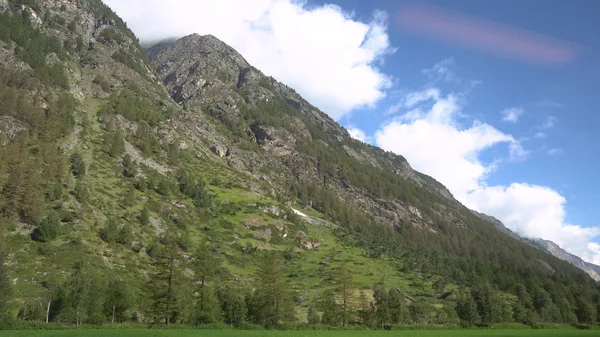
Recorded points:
(162,282)
(275,301)
(205,269)
(345,292)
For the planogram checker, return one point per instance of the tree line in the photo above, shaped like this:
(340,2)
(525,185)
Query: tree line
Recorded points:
(194,289)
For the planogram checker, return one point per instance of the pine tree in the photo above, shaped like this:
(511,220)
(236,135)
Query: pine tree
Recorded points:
(130,166)
(586,312)
(129,199)
(48,229)
(275,302)
(312,315)
(110,232)
(77,165)
(489,304)
(331,309)
(81,192)
(344,290)
(233,305)
(118,299)
(382,307)
(162,283)
(205,268)
(86,288)
(466,308)
(397,306)
(5,285)
(366,313)
(145,216)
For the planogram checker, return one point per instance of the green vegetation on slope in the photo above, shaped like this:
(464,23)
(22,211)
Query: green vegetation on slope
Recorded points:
(108,220)
(345,333)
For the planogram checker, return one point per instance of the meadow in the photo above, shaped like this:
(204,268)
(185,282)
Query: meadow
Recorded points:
(306,333)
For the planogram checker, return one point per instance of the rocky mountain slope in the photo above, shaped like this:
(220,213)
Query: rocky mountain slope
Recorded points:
(554,249)
(118,162)
(548,247)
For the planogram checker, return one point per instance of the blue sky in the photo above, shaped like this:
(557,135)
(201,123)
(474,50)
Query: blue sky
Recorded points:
(565,158)
(440,104)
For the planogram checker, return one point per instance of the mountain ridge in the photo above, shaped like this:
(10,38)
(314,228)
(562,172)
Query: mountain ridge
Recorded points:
(547,246)
(198,155)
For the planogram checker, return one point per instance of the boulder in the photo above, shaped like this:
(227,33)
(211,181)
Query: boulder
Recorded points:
(219,150)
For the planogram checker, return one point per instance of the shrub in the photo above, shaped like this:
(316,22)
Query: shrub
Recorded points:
(48,229)
(77,165)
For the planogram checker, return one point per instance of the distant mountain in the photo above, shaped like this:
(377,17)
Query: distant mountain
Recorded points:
(548,246)
(554,249)
(125,171)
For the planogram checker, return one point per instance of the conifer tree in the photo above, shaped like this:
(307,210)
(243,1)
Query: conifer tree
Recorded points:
(162,282)
(382,305)
(205,268)
(312,315)
(366,312)
(331,309)
(275,301)
(397,306)
(345,292)
(5,285)
(118,299)
(466,308)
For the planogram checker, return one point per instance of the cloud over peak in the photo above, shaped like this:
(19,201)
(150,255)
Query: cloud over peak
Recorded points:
(358,134)
(431,138)
(433,141)
(323,52)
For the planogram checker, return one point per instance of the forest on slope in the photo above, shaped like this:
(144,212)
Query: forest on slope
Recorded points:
(120,205)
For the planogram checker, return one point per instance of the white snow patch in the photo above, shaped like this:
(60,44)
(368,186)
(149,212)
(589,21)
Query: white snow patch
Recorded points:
(299,213)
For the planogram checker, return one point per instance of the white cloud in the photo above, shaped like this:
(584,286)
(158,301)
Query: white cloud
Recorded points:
(550,122)
(394,108)
(323,52)
(554,152)
(516,150)
(435,143)
(536,211)
(540,135)
(442,71)
(512,115)
(358,134)
(547,103)
(416,97)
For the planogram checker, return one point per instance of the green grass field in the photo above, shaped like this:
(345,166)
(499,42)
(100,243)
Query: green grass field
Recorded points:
(259,333)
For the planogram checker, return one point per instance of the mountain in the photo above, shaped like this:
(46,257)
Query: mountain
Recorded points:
(173,183)
(554,249)
(547,246)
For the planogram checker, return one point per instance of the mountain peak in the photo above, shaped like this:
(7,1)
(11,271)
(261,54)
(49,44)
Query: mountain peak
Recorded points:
(205,46)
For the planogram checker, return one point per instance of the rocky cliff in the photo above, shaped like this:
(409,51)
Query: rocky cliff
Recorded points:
(113,156)
(548,246)
(208,77)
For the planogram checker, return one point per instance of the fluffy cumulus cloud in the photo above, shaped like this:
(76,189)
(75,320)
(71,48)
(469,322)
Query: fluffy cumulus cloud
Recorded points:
(537,211)
(323,52)
(512,115)
(358,134)
(429,134)
(434,143)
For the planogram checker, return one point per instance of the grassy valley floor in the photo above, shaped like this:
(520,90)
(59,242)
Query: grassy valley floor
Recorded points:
(306,333)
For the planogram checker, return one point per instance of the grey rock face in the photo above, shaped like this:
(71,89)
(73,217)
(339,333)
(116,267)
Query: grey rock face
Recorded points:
(9,129)
(554,249)
(219,150)
(209,78)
